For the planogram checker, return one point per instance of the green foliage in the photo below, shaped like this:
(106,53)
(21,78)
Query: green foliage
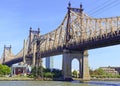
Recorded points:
(33,72)
(40,71)
(46,70)
(47,73)
(57,73)
(74,73)
(36,71)
(91,72)
(99,73)
(118,76)
(4,70)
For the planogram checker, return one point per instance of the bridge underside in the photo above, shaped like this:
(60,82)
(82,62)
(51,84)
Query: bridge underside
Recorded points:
(14,61)
(96,42)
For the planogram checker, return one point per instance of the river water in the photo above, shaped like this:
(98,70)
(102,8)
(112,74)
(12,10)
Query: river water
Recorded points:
(58,83)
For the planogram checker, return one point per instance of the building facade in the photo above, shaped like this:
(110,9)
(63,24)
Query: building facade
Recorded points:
(49,62)
(111,70)
(20,69)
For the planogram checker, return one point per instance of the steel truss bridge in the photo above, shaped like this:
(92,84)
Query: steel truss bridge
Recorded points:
(77,32)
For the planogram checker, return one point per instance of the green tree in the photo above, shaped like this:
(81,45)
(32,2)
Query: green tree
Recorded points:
(33,72)
(46,70)
(37,71)
(4,70)
(48,75)
(91,72)
(74,73)
(57,73)
(99,71)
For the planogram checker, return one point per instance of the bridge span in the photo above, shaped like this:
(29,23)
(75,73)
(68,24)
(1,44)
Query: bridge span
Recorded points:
(77,34)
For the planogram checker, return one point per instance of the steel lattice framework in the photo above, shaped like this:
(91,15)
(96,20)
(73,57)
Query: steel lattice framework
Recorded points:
(84,33)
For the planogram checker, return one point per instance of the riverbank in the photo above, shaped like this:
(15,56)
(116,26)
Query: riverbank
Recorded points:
(49,79)
(98,79)
(16,79)
(27,79)
(105,79)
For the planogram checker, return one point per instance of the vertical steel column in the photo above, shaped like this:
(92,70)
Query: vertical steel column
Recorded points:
(24,52)
(10,49)
(81,22)
(34,54)
(4,55)
(68,27)
(30,33)
(38,57)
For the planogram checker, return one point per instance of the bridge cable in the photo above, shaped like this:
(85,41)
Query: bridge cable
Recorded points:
(92,10)
(103,7)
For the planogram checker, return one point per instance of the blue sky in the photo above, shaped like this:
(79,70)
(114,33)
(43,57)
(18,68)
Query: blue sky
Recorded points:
(17,16)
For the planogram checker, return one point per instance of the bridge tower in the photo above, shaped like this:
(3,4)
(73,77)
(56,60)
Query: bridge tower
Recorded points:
(24,52)
(32,47)
(69,55)
(36,49)
(7,53)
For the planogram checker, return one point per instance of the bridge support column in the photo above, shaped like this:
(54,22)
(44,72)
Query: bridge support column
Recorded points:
(24,52)
(82,57)
(66,66)
(85,67)
(34,55)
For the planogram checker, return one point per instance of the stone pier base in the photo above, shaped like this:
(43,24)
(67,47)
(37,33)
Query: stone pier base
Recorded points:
(82,57)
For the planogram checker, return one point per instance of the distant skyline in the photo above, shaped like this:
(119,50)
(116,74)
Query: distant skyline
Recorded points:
(16,17)
(49,62)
